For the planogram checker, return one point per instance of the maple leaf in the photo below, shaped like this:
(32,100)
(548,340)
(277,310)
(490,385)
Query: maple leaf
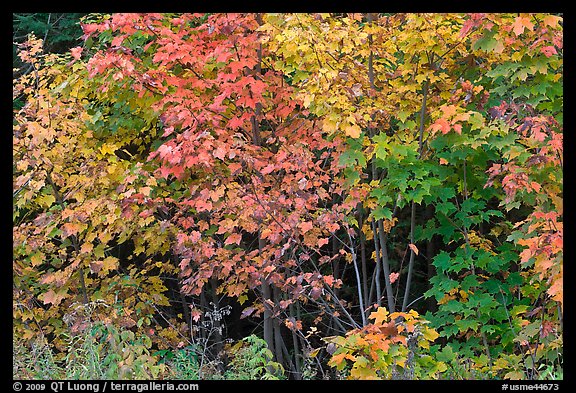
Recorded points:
(449,110)
(247,312)
(109,263)
(413,248)
(548,51)
(71,229)
(305,226)
(195,236)
(195,314)
(37,259)
(353,130)
(203,205)
(430,334)
(547,328)
(552,20)
(234,238)
(556,290)
(393,277)
(339,358)
(267,169)
(52,297)
(235,122)
(234,167)
(379,315)
(220,152)
(520,24)
(76,52)
(441,125)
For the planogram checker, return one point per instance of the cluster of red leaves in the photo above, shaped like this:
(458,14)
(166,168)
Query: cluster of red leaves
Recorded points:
(258,171)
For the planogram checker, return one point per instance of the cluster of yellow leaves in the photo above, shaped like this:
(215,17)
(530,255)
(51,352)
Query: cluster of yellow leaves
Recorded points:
(387,347)
(68,213)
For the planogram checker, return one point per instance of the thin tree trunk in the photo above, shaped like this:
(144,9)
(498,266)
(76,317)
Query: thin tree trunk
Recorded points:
(363,256)
(413,207)
(278,341)
(386,266)
(295,344)
(412,256)
(358,282)
(378,266)
(204,307)
(268,324)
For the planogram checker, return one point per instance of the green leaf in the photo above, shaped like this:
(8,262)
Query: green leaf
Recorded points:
(382,212)
(442,261)
(466,324)
(453,306)
(446,355)
(470,281)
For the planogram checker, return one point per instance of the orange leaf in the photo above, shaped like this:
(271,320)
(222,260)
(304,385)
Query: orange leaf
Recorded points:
(521,23)
(353,131)
(52,297)
(413,248)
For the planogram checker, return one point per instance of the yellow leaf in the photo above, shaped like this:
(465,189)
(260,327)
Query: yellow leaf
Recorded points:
(329,125)
(242,299)
(108,148)
(424,344)
(430,334)
(46,200)
(363,372)
(514,375)
(37,259)
(379,315)
(552,20)
(109,263)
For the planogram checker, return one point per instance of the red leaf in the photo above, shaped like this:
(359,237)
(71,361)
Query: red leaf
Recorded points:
(549,51)
(202,205)
(235,122)
(305,226)
(234,238)
(76,52)
(441,125)
(234,167)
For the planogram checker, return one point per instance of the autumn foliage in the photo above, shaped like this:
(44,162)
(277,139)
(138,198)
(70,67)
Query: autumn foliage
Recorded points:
(376,196)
